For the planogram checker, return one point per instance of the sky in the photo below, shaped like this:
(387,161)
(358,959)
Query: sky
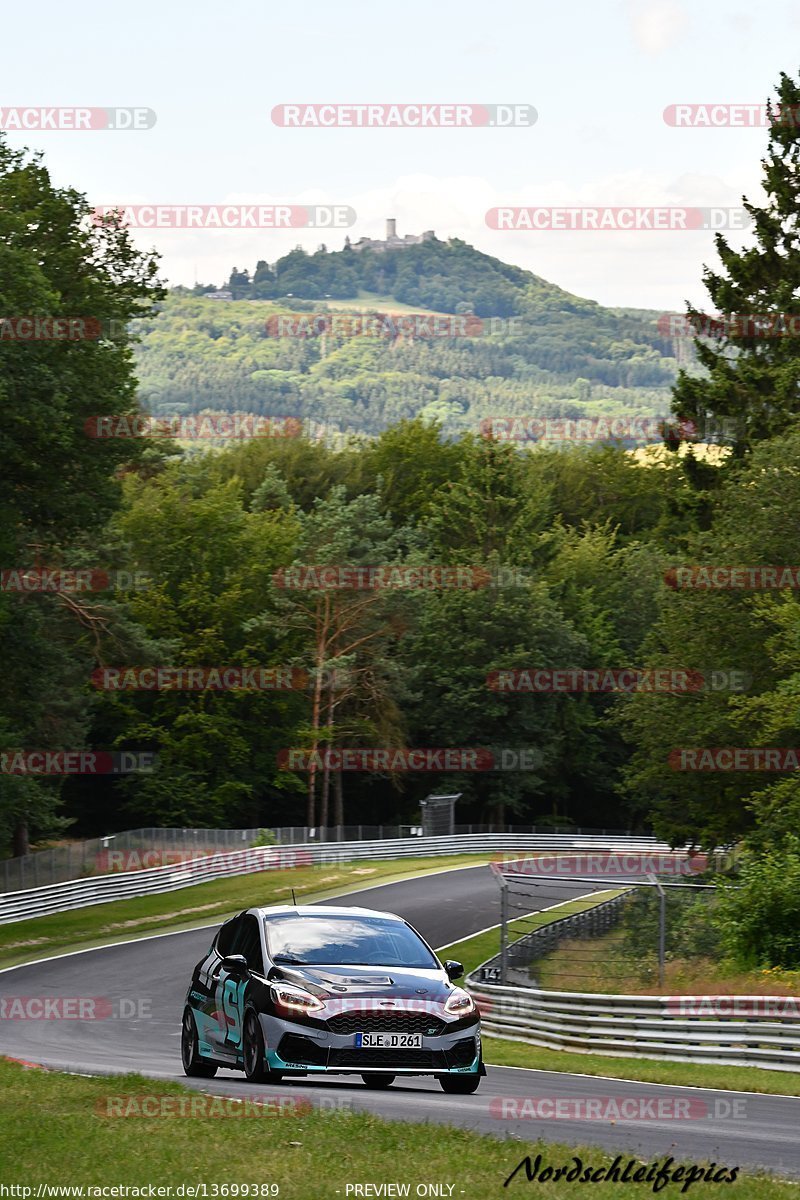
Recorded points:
(598,72)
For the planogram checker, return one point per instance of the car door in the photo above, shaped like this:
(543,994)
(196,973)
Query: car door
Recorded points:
(222,987)
(233,988)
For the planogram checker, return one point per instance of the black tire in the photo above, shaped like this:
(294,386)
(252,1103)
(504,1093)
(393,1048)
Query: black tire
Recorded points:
(459,1085)
(193,1064)
(378,1082)
(254,1053)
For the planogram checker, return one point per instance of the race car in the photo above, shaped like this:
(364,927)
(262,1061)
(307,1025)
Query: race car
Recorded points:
(300,990)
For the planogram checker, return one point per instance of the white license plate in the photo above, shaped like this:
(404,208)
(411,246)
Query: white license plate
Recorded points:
(388,1041)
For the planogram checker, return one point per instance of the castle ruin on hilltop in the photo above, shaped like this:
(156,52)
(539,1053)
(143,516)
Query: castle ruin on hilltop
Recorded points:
(391,241)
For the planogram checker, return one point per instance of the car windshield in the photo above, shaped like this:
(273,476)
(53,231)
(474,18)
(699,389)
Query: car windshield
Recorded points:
(346,941)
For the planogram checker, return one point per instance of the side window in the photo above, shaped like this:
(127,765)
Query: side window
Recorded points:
(227,936)
(248,943)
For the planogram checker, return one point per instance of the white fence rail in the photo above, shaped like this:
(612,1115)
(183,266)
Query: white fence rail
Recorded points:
(103,889)
(643,1026)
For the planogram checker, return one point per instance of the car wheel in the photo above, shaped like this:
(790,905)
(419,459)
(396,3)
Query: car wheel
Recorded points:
(193,1064)
(377,1082)
(254,1052)
(459,1085)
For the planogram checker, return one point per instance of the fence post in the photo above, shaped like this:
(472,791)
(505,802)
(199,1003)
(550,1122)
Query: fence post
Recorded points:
(662,929)
(503,932)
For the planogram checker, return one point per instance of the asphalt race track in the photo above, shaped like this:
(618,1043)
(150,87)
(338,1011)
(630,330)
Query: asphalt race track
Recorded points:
(146,983)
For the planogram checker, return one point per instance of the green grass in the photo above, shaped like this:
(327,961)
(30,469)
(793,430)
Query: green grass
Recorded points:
(476,950)
(605,964)
(310,1156)
(503,1053)
(203,904)
(371,301)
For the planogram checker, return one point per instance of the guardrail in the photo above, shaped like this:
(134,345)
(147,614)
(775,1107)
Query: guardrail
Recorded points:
(133,849)
(103,889)
(640,1026)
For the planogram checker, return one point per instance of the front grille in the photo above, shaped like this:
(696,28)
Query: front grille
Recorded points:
(294,1048)
(425,1059)
(387,1022)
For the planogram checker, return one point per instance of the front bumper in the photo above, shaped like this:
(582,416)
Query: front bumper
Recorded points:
(295,1047)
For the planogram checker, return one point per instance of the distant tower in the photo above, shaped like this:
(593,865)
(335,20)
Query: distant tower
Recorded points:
(391,229)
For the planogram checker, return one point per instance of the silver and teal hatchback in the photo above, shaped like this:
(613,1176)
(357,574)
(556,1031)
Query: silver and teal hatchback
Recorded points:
(289,991)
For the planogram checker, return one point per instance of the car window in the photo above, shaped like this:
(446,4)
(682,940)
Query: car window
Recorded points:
(346,941)
(227,935)
(248,943)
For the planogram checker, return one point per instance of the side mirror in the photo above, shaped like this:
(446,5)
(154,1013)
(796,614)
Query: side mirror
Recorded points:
(454,969)
(236,964)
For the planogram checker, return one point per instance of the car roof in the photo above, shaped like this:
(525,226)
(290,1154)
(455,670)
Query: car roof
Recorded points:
(326,910)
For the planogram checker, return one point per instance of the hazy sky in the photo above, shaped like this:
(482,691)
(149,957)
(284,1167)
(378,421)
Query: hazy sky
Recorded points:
(599,73)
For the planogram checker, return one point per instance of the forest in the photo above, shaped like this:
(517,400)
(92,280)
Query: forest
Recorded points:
(481,557)
(529,346)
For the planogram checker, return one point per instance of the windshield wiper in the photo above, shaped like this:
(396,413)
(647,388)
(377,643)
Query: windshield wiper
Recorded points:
(288,958)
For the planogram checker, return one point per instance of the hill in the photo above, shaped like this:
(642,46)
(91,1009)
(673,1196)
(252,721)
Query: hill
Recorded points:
(287,343)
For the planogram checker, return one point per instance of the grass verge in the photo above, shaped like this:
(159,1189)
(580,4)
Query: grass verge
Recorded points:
(203,904)
(476,950)
(605,964)
(503,1053)
(303,1155)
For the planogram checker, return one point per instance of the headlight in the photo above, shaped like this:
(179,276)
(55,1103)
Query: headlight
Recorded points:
(295,999)
(460,1003)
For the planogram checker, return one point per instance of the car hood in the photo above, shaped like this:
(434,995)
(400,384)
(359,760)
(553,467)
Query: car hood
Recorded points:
(402,982)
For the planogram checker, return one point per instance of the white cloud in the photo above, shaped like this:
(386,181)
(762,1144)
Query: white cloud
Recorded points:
(657,24)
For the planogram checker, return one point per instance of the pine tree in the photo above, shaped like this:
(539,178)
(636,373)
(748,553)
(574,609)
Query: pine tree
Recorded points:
(752,387)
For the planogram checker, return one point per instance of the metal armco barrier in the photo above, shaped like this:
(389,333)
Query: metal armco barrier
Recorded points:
(638,1026)
(103,889)
(99,855)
